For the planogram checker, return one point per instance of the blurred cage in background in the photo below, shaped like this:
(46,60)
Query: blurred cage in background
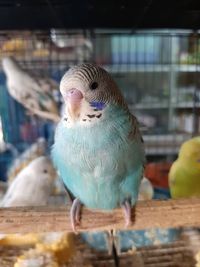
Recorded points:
(157,71)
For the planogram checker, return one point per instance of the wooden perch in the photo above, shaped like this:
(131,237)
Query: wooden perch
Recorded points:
(151,214)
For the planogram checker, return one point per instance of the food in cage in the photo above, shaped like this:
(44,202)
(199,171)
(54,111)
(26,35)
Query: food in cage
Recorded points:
(36,258)
(14,46)
(34,93)
(41,52)
(19,239)
(35,150)
(184,173)
(32,186)
(60,244)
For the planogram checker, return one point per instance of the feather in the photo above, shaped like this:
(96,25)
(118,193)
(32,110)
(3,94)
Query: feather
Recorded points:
(32,186)
(33,93)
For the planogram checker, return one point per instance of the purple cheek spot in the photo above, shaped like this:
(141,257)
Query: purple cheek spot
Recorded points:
(98,105)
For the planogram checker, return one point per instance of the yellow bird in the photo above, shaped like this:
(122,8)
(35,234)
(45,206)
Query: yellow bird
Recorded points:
(184,175)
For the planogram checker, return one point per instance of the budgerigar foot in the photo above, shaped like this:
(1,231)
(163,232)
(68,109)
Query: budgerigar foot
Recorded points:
(113,246)
(113,240)
(126,206)
(75,215)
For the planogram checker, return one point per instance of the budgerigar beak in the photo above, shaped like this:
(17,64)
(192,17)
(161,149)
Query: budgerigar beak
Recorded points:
(73,100)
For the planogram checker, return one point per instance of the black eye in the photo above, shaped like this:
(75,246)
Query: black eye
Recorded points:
(94,85)
(45,171)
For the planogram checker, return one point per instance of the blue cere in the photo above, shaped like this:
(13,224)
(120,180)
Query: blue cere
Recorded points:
(98,105)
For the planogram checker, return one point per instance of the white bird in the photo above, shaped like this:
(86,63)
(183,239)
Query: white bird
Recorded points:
(2,143)
(34,151)
(6,146)
(34,93)
(32,186)
(146,190)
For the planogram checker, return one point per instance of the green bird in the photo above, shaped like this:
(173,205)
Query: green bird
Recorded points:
(184,175)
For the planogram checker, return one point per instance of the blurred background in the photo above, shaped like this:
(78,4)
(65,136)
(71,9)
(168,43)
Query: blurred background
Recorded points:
(151,49)
(157,72)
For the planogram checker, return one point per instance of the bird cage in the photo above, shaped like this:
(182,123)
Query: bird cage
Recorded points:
(157,72)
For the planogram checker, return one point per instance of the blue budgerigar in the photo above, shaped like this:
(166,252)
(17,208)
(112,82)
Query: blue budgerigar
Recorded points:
(98,147)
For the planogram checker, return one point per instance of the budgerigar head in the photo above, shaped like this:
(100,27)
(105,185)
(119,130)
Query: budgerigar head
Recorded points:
(87,90)
(185,171)
(189,155)
(190,151)
(43,168)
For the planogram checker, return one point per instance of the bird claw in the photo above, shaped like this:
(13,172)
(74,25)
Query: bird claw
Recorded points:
(113,239)
(75,215)
(126,206)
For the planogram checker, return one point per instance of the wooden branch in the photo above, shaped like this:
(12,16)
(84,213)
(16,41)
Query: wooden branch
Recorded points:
(151,214)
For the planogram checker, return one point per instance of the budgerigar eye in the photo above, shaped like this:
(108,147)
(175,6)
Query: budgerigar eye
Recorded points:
(94,85)
(45,171)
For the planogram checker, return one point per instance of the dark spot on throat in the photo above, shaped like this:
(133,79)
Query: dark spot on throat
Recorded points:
(84,120)
(99,116)
(90,116)
(65,119)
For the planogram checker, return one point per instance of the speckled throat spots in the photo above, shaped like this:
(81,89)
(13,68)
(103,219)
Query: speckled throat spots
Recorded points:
(88,115)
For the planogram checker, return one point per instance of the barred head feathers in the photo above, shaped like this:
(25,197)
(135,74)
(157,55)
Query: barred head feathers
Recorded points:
(94,83)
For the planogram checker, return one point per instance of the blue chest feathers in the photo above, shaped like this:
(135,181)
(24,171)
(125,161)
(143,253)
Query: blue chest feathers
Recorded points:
(99,163)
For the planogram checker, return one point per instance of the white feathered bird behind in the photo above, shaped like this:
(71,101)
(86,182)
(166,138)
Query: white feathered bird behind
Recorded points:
(34,93)
(36,150)
(146,190)
(32,186)
(2,143)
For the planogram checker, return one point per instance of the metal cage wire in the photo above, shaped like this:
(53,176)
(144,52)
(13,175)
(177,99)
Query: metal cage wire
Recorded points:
(157,71)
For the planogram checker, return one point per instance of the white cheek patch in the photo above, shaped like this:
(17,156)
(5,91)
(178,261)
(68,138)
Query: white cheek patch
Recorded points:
(88,115)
